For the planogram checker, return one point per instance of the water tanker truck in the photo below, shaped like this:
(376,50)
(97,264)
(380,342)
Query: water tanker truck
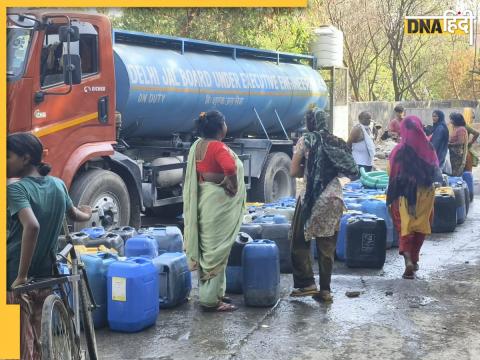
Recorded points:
(115,109)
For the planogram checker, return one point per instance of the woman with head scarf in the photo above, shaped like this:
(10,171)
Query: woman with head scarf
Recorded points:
(439,137)
(320,158)
(458,144)
(413,170)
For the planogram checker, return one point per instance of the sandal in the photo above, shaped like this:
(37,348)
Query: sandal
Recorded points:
(324,296)
(308,291)
(221,307)
(226,300)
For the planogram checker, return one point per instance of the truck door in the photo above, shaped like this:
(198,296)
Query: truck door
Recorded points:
(66,122)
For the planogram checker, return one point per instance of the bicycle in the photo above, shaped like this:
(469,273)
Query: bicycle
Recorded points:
(60,321)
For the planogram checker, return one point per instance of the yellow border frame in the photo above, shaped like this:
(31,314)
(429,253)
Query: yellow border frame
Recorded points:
(9,315)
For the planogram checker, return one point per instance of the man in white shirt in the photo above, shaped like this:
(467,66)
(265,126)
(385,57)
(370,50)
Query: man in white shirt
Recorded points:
(361,142)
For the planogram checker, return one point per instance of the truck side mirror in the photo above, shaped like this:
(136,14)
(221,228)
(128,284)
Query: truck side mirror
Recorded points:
(73,69)
(63,32)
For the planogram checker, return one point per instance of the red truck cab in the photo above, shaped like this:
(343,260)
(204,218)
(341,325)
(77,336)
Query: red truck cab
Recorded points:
(76,124)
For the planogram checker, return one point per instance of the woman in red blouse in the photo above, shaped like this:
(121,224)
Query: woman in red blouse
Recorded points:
(214,160)
(214,204)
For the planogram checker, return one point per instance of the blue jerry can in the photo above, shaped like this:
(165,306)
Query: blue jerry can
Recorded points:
(261,273)
(96,266)
(132,290)
(174,279)
(141,245)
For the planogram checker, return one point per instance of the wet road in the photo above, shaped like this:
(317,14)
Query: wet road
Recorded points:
(434,317)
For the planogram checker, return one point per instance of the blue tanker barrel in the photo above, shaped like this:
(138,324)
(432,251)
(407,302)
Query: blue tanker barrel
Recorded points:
(161,91)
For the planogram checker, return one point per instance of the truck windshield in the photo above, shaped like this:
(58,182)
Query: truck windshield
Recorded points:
(18,41)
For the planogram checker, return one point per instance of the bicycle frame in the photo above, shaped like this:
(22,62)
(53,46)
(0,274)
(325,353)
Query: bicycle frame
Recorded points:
(79,287)
(59,279)
(69,249)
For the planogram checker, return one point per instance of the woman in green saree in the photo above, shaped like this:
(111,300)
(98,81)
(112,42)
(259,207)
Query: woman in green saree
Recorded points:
(213,205)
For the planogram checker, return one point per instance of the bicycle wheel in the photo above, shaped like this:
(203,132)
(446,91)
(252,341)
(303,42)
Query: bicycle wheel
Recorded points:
(87,320)
(57,331)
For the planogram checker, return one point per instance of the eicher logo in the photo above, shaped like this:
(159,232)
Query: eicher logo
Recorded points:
(450,23)
(88,89)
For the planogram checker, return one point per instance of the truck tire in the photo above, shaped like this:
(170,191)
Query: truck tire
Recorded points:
(275,181)
(104,189)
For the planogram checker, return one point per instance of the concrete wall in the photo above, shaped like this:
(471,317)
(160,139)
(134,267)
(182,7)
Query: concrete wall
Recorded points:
(341,128)
(382,111)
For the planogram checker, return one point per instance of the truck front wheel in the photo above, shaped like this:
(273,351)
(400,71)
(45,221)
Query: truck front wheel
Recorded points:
(275,181)
(105,191)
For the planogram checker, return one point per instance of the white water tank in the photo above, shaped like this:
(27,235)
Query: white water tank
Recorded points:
(327,46)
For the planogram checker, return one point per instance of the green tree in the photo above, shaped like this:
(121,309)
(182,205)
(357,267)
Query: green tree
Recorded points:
(275,29)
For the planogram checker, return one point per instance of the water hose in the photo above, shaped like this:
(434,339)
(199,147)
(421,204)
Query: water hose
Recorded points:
(374,179)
